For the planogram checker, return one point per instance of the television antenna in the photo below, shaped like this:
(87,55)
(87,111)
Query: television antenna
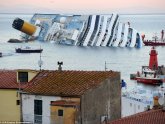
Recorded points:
(40,62)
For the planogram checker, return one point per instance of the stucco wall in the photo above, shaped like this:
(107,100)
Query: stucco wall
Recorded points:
(69,115)
(104,100)
(31,74)
(28,107)
(9,110)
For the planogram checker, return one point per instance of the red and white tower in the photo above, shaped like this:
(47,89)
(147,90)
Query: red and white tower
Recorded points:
(153,63)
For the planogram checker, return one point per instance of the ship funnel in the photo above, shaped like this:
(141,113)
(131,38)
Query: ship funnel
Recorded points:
(153,63)
(23,26)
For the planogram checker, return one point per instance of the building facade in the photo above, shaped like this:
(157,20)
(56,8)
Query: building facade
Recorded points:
(11,81)
(72,97)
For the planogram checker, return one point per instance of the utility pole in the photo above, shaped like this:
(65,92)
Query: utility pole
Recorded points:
(105,66)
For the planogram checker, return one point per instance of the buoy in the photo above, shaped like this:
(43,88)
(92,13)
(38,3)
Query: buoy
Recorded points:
(23,26)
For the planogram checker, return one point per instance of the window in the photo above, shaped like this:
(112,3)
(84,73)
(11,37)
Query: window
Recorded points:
(18,102)
(60,112)
(130,104)
(23,76)
(138,106)
(38,107)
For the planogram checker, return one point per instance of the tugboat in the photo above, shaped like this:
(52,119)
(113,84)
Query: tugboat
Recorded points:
(28,50)
(150,74)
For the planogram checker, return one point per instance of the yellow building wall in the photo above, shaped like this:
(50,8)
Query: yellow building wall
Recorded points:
(69,115)
(31,74)
(9,110)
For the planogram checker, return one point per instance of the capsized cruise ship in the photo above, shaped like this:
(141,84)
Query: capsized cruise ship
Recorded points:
(81,30)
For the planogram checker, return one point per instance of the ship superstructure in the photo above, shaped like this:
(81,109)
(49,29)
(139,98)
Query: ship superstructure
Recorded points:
(83,30)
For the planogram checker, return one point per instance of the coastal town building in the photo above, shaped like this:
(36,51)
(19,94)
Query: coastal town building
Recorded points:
(9,95)
(72,97)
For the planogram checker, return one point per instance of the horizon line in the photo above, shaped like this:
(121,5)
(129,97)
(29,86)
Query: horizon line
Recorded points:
(87,14)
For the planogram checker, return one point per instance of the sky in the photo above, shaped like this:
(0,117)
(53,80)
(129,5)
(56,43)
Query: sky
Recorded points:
(82,6)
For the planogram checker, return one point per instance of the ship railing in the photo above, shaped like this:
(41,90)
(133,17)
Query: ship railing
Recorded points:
(142,100)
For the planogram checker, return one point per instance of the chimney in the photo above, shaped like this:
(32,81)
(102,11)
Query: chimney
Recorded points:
(156,103)
(163,109)
(60,65)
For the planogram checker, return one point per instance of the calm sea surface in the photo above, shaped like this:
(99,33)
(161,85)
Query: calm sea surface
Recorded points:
(125,60)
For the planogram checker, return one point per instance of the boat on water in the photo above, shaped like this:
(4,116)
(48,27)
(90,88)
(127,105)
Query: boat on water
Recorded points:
(152,74)
(156,41)
(149,76)
(139,99)
(14,41)
(28,50)
(81,30)
(0,54)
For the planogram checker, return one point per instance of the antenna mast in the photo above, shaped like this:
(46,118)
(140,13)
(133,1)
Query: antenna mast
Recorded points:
(40,62)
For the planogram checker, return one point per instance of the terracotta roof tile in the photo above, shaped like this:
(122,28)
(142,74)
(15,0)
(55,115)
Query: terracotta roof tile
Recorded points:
(8,80)
(67,83)
(65,103)
(148,117)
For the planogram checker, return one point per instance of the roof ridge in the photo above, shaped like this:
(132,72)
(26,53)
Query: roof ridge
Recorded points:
(140,114)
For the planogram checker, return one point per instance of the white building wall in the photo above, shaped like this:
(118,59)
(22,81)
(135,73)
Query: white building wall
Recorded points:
(28,107)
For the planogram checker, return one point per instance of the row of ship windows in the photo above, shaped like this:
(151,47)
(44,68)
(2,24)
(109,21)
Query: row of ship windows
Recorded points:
(131,105)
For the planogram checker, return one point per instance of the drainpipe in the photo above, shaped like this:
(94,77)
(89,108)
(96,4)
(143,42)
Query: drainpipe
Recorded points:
(163,109)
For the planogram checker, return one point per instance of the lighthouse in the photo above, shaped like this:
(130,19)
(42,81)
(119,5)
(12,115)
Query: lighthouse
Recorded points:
(153,63)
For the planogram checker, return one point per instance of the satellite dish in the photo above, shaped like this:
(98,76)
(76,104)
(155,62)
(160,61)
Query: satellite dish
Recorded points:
(161,100)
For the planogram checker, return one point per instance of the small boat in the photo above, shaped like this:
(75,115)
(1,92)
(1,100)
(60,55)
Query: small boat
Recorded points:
(153,43)
(150,74)
(0,54)
(28,50)
(15,41)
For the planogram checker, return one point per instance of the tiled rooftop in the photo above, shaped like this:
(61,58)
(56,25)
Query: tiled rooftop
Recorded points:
(147,117)
(8,79)
(67,83)
(65,103)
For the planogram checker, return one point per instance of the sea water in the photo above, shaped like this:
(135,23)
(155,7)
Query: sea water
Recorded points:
(124,60)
